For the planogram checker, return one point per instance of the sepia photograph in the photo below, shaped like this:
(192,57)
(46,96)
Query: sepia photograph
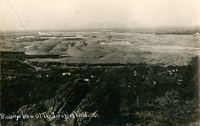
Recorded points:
(99,62)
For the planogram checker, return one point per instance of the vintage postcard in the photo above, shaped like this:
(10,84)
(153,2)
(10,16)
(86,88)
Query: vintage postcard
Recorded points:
(107,62)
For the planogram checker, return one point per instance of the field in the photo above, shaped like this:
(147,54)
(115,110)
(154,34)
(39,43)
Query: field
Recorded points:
(109,46)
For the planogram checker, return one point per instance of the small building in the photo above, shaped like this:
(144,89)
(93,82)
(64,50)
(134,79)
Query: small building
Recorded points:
(39,76)
(86,80)
(195,34)
(66,73)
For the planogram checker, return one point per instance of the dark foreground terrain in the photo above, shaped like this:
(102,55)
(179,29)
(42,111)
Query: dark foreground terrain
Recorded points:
(52,93)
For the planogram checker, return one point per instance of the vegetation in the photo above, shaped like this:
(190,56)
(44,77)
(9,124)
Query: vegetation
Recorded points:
(138,94)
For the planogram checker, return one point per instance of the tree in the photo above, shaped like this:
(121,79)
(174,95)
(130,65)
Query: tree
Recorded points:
(136,81)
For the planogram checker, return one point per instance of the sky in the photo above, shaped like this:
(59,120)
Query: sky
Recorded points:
(66,14)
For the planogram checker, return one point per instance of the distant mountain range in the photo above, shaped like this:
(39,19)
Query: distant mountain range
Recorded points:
(131,24)
(106,25)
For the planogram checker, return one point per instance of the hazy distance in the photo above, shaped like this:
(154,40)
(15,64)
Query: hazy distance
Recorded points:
(69,14)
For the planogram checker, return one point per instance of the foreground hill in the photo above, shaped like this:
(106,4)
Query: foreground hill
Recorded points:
(130,95)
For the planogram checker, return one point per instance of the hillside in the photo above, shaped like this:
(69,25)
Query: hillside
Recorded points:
(116,46)
(130,95)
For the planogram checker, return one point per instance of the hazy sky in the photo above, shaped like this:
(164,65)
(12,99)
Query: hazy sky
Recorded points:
(64,14)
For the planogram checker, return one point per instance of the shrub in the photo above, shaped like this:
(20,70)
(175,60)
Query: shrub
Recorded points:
(169,110)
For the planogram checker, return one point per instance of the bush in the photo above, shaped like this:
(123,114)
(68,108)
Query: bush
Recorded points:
(169,110)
